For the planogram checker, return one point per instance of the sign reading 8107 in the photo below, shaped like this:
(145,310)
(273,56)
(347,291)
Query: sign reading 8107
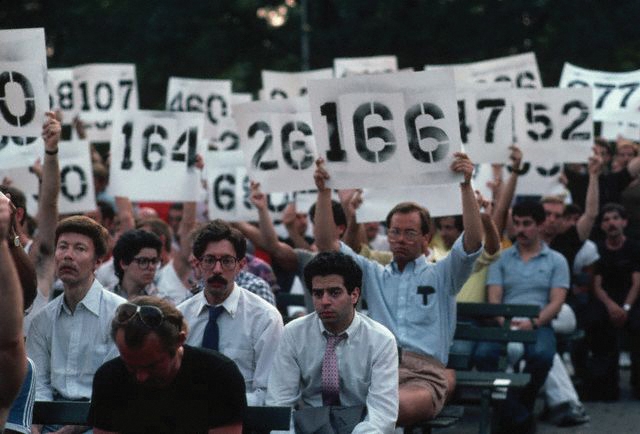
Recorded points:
(23,99)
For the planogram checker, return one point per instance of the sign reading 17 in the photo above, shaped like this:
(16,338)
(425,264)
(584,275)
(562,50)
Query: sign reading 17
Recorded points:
(154,139)
(363,135)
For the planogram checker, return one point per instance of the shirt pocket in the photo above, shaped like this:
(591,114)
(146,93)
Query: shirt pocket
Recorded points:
(417,311)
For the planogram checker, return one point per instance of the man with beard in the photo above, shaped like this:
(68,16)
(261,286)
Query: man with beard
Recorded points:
(226,317)
(614,307)
(158,384)
(529,272)
(69,338)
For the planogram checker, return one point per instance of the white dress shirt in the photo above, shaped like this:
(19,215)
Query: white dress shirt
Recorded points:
(69,347)
(367,365)
(249,332)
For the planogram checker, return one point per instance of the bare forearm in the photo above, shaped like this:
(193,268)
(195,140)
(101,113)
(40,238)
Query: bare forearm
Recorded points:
(491,235)
(324,226)
(586,221)
(632,296)
(125,213)
(470,219)
(501,209)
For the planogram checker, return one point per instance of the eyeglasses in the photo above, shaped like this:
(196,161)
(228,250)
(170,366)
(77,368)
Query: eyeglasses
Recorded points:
(227,262)
(151,316)
(144,262)
(409,234)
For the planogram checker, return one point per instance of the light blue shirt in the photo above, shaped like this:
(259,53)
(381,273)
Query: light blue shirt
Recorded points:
(68,347)
(529,282)
(397,299)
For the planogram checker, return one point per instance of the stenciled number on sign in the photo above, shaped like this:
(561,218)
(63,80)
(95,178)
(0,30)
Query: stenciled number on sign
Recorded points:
(10,79)
(103,95)
(606,89)
(496,106)
(290,145)
(216,106)
(535,114)
(65,186)
(154,139)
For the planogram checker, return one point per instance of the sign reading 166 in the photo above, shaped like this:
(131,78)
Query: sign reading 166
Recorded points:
(376,130)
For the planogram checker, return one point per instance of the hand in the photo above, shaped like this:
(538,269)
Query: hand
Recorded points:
(617,314)
(257,198)
(595,164)
(36,169)
(462,164)
(522,324)
(6,211)
(51,132)
(320,176)
(289,215)
(515,157)
(80,128)
(483,202)
(199,163)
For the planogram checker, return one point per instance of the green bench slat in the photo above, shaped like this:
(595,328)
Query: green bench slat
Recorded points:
(491,310)
(493,334)
(486,379)
(77,412)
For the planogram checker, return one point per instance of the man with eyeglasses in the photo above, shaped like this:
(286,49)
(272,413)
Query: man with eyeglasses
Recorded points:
(160,385)
(69,338)
(226,317)
(411,297)
(136,256)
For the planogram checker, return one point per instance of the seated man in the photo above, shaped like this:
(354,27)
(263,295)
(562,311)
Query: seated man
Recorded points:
(359,363)
(225,316)
(527,273)
(69,338)
(160,385)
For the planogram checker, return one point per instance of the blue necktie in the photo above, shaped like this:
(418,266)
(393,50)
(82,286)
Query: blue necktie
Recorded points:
(211,335)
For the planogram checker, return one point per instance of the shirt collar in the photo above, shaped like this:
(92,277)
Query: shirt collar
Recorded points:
(544,250)
(91,300)
(412,267)
(350,331)
(230,304)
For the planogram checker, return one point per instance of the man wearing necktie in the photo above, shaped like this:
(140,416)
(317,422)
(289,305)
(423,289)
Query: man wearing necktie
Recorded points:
(226,317)
(336,356)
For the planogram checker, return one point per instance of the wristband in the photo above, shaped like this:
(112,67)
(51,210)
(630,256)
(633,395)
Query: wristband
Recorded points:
(48,152)
(626,307)
(533,323)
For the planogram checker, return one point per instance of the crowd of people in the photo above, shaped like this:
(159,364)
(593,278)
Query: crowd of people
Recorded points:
(168,324)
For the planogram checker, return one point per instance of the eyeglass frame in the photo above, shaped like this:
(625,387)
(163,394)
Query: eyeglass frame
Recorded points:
(148,261)
(407,234)
(139,312)
(212,265)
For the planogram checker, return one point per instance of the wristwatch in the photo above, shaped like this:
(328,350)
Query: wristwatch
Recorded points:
(626,307)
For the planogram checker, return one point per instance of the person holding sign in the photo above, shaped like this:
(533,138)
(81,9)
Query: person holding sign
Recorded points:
(410,296)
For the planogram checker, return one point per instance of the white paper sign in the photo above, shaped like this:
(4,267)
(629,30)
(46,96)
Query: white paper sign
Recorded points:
(628,130)
(520,70)
(77,194)
(553,124)
(386,130)
(23,98)
(101,91)
(486,123)
(27,182)
(210,97)
(278,144)
(60,84)
(152,156)
(277,85)
(19,151)
(536,180)
(613,92)
(228,190)
(350,66)
(440,200)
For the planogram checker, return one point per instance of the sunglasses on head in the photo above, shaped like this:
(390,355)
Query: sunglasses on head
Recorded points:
(151,316)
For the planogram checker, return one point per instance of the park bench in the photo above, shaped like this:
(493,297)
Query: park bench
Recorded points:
(490,384)
(258,420)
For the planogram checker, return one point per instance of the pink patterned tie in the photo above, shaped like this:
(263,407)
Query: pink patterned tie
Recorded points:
(330,375)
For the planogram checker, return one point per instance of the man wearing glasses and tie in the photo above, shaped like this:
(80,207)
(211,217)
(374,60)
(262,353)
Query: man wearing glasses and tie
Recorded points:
(226,317)
(158,384)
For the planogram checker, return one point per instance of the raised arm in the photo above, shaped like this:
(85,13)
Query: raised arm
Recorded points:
(354,234)
(291,224)
(471,222)
(41,252)
(501,209)
(12,352)
(592,202)
(324,226)
(280,252)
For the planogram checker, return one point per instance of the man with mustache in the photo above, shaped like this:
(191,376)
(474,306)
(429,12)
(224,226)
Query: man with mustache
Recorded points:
(226,317)
(529,272)
(614,307)
(70,337)
(364,352)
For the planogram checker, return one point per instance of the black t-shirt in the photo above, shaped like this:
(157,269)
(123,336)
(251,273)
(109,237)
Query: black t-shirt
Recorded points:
(568,243)
(616,267)
(207,392)
(610,186)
